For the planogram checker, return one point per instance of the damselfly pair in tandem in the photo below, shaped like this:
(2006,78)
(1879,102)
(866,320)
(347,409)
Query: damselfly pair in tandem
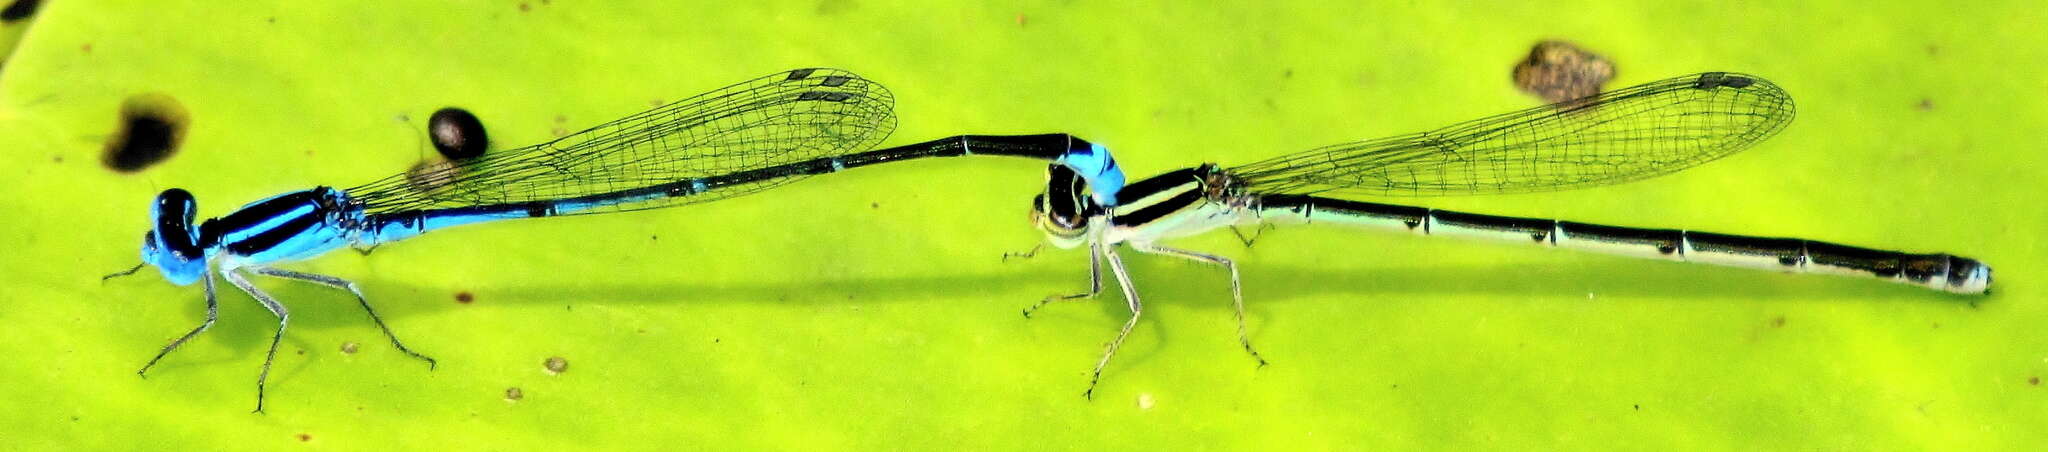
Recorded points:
(777,129)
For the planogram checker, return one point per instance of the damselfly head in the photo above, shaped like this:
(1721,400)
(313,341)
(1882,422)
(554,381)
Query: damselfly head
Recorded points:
(173,244)
(1062,210)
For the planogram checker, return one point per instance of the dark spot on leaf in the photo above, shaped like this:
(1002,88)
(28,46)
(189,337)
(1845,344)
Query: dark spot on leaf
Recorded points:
(1778,322)
(1559,71)
(1925,104)
(513,394)
(152,125)
(2034,380)
(523,7)
(464,297)
(348,347)
(555,365)
(305,437)
(20,9)
(457,133)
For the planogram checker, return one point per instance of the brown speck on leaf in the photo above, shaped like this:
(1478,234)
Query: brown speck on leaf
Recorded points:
(523,7)
(305,437)
(87,48)
(1558,71)
(464,297)
(302,351)
(2034,380)
(513,394)
(348,347)
(429,175)
(561,119)
(1925,104)
(1021,20)
(56,159)
(555,365)
(1778,322)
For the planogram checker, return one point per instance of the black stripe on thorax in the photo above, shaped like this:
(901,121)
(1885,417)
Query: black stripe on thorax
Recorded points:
(1137,191)
(258,212)
(276,235)
(1146,214)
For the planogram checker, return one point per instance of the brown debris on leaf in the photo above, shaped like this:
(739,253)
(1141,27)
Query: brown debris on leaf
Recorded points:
(1559,71)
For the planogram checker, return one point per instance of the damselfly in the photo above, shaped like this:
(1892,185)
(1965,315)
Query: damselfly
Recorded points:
(738,140)
(1619,136)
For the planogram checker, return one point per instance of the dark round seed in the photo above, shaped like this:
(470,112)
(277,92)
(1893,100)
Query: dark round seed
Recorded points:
(20,9)
(457,134)
(556,365)
(151,127)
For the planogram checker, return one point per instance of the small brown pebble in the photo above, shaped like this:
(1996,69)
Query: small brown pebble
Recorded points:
(1558,71)
(348,347)
(513,394)
(555,365)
